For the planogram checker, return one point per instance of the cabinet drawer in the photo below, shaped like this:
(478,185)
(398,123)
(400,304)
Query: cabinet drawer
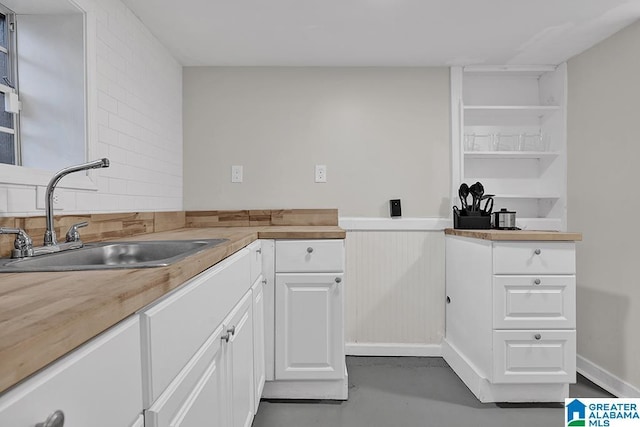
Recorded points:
(255,256)
(534,258)
(96,385)
(198,391)
(300,256)
(534,356)
(534,302)
(177,326)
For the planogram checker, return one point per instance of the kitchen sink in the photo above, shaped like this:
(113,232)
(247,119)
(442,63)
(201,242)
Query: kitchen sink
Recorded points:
(111,255)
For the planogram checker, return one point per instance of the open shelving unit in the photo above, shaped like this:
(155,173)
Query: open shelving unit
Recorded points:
(501,103)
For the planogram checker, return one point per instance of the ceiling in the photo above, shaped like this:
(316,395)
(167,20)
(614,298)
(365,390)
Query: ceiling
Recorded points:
(381,32)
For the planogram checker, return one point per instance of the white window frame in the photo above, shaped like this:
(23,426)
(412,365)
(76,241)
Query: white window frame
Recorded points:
(12,75)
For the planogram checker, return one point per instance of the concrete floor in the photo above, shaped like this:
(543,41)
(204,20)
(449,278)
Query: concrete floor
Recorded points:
(412,392)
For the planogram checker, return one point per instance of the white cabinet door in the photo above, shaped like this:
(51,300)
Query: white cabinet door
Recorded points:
(239,325)
(309,326)
(258,339)
(96,385)
(198,395)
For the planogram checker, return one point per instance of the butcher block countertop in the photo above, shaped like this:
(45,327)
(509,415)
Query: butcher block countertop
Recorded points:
(515,235)
(45,315)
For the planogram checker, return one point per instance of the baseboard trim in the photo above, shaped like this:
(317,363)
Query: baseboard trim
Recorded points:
(393,349)
(605,379)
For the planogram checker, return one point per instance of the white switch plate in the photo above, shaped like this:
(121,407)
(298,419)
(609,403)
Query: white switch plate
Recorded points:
(236,173)
(321,173)
(41,196)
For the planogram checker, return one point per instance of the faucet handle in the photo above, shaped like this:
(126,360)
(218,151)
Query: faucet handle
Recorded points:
(23,244)
(73,235)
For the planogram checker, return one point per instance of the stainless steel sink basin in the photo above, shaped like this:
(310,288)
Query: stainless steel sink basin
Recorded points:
(111,255)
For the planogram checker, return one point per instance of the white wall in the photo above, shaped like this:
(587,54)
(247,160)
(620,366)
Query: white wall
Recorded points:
(52,85)
(604,149)
(135,118)
(382,132)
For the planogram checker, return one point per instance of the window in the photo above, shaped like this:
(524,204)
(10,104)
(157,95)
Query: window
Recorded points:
(9,149)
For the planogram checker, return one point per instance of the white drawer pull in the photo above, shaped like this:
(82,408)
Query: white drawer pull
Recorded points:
(309,249)
(259,250)
(54,420)
(338,280)
(537,336)
(537,252)
(536,282)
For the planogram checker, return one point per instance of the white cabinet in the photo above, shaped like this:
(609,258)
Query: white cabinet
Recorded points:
(309,319)
(239,330)
(510,318)
(98,384)
(198,346)
(309,361)
(309,309)
(177,325)
(509,132)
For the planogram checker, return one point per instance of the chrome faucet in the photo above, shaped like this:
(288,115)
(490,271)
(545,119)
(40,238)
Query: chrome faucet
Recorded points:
(24,245)
(50,233)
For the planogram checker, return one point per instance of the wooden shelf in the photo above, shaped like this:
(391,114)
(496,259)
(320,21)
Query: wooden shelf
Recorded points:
(511,154)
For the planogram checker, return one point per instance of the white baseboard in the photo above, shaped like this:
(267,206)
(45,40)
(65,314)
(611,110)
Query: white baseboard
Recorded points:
(393,349)
(605,379)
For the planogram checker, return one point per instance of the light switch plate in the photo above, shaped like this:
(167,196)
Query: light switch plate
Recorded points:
(236,173)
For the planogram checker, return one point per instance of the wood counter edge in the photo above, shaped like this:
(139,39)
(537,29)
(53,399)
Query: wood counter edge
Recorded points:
(516,235)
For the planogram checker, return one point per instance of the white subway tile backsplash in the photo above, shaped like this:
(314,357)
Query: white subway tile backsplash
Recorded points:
(138,117)
(107,102)
(21,199)
(3,201)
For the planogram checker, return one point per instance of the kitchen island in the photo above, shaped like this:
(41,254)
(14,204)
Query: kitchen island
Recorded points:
(510,313)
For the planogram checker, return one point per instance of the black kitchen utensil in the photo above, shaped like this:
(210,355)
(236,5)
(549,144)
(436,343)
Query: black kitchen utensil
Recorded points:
(488,205)
(477,191)
(463,193)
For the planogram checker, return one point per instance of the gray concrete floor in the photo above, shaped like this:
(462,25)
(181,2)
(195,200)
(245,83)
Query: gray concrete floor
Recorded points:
(408,392)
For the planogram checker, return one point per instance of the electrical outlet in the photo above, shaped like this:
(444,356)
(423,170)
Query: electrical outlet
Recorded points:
(58,197)
(236,173)
(321,173)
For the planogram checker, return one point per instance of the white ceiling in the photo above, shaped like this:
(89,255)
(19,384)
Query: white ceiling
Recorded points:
(381,32)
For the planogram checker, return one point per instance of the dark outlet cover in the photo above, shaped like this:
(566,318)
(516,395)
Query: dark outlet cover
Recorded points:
(394,205)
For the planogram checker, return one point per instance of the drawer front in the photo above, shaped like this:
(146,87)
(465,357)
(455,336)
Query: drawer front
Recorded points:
(200,385)
(301,256)
(96,385)
(255,255)
(534,302)
(534,356)
(534,258)
(176,327)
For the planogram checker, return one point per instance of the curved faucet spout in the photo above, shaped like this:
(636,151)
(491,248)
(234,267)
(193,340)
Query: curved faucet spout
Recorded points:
(50,233)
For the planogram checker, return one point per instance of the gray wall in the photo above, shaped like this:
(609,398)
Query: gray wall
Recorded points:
(603,183)
(382,132)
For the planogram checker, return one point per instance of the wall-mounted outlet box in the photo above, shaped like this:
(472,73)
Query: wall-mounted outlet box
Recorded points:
(321,173)
(41,196)
(236,173)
